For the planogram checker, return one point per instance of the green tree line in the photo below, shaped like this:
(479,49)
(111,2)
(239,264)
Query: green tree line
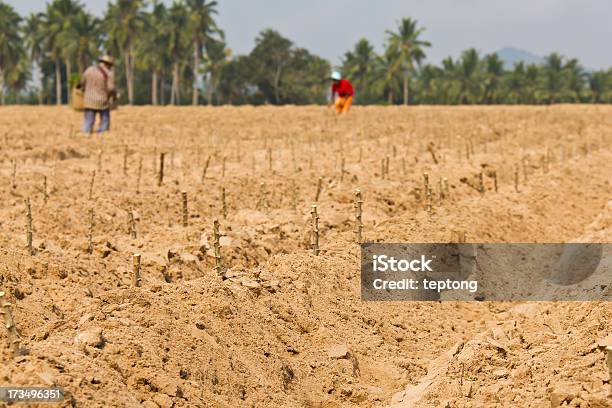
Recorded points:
(177,54)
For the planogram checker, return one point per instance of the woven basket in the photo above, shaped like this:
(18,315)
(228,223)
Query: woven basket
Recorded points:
(78,100)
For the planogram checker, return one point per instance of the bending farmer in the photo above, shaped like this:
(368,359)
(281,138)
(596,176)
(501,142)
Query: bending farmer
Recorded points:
(98,84)
(344,90)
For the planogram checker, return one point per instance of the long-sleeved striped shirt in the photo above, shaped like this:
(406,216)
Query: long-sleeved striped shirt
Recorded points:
(98,88)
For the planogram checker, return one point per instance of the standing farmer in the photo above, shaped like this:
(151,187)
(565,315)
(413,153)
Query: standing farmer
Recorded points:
(344,90)
(98,84)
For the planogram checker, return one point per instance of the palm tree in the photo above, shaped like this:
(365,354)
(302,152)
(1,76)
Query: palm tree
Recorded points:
(552,81)
(431,85)
(409,47)
(153,49)
(83,39)
(10,45)
(217,57)
(270,59)
(530,89)
(515,84)
(123,23)
(201,26)
(575,78)
(450,79)
(19,76)
(178,18)
(359,64)
(81,43)
(468,76)
(58,19)
(494,70)
(600,87)
(33,38)
(386,77)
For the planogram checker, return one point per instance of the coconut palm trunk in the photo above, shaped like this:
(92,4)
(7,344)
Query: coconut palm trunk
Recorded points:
(162,89)
(277,77)
(68,75)
(196,70)
(129,73)
(2,97)
(406,81)
(175,96)
(58,81)
(154,88)
(210,89)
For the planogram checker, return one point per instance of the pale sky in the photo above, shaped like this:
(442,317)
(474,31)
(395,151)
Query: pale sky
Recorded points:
(575,28)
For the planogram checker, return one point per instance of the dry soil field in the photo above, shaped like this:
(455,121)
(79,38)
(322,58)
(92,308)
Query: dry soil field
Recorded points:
(287,328)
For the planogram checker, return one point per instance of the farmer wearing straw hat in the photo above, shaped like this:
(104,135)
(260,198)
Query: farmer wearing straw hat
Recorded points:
(344,90)
(98,84)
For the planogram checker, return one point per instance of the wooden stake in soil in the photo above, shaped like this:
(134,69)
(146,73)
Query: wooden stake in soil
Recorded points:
(90,232)
(382,168)
(160,174)
(429,206)
(609,361)
(270,158)
(425,185)
(136,280)
(205,169)
(154,167)
(458,236)
(387,166)
(432,150)
(358,216)
(9,323)
(131,224)
(185,209)
(319,189)
(342,171)
(45,190)
(262,202)
(481,186)
(14,174)
(293,160)
(125,160)
(516,178)
(315,230)
(29,226)
(217,248)
(494,175)
(446,189)
(223,203)
(91,184)
(139,175)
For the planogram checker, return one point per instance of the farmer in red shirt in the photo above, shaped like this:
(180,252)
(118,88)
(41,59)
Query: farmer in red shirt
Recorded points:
(344,90)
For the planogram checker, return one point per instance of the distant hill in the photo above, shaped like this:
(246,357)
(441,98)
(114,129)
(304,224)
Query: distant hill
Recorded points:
(510,56)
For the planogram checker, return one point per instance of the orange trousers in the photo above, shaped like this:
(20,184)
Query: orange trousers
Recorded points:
(343,104)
